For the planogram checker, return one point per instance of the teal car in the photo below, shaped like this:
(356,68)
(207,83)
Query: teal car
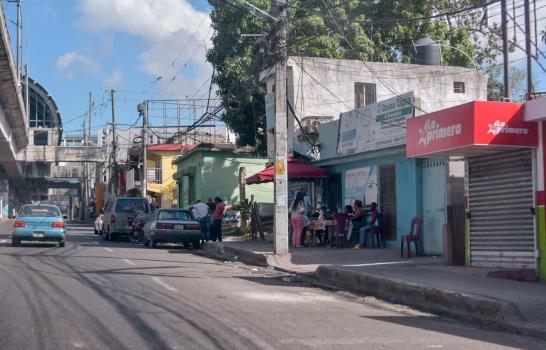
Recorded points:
(39,222)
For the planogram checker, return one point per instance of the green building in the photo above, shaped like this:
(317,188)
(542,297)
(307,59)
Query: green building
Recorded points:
(212,170)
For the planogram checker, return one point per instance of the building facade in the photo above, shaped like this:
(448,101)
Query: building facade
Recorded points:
(213,170)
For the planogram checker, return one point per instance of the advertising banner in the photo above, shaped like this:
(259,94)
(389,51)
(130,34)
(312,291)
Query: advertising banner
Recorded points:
(130,179)
(478,123)
(376,126)
(361,184)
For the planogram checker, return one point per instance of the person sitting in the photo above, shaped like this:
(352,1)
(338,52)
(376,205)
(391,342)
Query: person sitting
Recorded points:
(372,224)
(358,216)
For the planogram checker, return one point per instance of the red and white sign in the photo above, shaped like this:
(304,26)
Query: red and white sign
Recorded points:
(478,123)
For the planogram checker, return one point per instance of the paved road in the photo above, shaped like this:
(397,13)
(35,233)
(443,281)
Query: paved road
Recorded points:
(114,295)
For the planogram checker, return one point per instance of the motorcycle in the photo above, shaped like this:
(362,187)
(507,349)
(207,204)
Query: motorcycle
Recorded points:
(136,235)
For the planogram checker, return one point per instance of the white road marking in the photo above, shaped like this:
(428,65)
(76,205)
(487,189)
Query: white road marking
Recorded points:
(129,262)
(163,284)
(3,240)
(110,250)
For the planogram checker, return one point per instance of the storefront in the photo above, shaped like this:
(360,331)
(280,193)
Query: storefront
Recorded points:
(366,156)
(499,149)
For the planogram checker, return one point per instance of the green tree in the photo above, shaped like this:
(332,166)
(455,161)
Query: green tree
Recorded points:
(366,30)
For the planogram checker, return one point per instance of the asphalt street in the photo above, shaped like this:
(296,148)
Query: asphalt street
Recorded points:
(116,295)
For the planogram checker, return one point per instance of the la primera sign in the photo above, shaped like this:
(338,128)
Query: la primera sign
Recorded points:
(376,126)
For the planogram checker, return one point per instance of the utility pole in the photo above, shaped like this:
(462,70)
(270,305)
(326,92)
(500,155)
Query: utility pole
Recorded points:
(19,37)
(114,177)
(527,10)
(144,110)
(504,26)
(86,164)
(27,105)
(281,147)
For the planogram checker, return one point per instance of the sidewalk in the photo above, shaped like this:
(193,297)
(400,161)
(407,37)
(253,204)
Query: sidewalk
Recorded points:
(424,282)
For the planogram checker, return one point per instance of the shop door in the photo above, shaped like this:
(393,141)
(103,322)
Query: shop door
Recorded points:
(333,193)
(434,204)
(387,200)
(501,205)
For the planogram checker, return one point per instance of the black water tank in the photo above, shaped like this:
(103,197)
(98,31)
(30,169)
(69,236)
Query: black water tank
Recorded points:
(427,52)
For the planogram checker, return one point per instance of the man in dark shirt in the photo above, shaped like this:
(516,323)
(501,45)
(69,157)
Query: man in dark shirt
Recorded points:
(372,225)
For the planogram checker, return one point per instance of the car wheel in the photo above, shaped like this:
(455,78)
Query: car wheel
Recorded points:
(104,235)
(153,243)
(15,242)
(61,244)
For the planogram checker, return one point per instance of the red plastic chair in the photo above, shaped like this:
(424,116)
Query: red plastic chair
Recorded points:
(339,230)
(413,236)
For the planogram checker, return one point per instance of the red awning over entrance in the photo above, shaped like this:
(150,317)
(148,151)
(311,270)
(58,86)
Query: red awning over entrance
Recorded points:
(297,171)
(470,129)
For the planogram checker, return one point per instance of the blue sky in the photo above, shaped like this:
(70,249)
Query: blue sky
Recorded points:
(82,46)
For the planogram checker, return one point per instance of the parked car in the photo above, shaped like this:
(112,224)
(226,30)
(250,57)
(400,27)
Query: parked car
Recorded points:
(172,226)
(38,222)
(119,213)
(98,224)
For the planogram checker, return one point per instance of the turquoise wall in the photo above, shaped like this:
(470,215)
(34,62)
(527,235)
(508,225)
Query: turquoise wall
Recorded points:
(408,185)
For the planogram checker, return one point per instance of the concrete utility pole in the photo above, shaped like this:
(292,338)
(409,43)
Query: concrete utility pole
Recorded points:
(86,164)
(527,10)
(144,150)
(281,147)
(114,177)
(504,27)
(19,36)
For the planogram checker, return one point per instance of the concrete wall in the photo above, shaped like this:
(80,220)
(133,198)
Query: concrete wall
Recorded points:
(217,174)
(408,181)
(324,88)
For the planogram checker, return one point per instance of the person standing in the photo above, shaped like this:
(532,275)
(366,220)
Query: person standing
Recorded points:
(297,213)
(212,207)
(201,213)
(217,219)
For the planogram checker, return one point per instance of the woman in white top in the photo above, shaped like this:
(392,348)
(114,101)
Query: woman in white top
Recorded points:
(297,216)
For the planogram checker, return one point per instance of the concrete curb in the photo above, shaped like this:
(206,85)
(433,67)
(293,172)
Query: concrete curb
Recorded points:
(229,252)
(500,314)
(474,308)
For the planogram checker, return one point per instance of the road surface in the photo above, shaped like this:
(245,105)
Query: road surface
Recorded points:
(116,295)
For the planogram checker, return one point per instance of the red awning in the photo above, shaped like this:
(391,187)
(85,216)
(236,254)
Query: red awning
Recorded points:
(297,171)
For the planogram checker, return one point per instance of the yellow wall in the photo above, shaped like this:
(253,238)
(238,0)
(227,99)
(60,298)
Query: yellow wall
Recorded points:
(168,184)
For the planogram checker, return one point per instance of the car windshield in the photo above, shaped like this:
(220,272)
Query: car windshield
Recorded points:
(131,205)
(41,211)
(181,215)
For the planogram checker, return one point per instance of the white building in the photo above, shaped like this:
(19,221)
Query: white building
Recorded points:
(320,89)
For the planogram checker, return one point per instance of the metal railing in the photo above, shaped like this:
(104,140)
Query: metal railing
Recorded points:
(154,175)
(67,172)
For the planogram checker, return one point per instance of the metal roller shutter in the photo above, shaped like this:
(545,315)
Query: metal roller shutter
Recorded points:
(501,198)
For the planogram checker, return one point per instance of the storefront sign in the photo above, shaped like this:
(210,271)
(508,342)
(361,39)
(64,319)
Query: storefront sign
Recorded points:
(478,123)
(130,179)
(361,184)
(376,126)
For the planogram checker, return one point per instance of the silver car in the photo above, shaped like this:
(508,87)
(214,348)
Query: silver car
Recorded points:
(172,226)
(119,213)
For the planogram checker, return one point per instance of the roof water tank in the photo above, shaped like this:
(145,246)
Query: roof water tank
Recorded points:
(427,52)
